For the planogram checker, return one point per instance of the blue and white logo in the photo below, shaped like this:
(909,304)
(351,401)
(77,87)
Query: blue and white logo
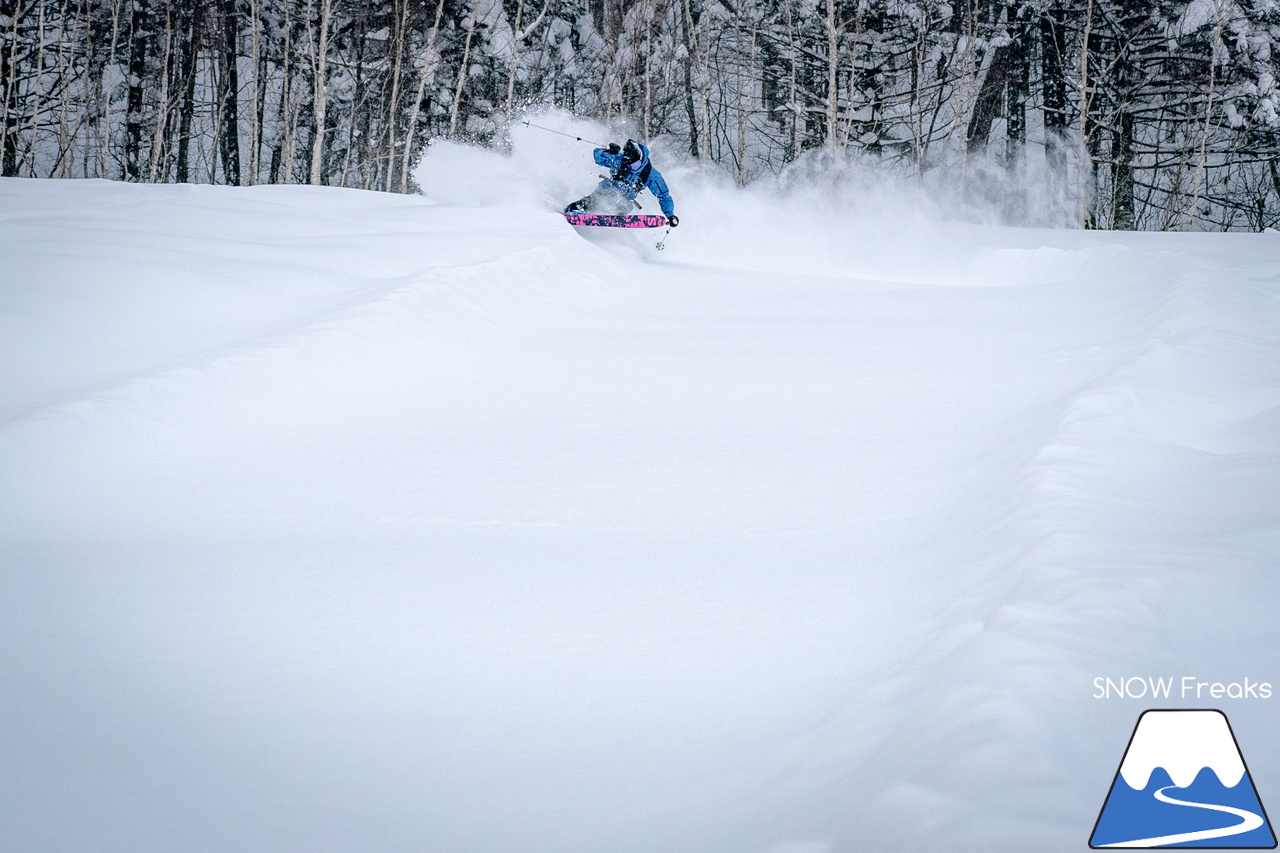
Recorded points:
(1183,783)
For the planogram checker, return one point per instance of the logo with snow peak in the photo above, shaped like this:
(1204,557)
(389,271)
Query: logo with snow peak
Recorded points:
(1182,783)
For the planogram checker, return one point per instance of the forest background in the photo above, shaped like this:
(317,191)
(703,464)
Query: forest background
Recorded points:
(1127,114)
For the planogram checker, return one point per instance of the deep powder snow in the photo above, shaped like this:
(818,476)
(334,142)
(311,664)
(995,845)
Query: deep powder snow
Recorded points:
(346,521)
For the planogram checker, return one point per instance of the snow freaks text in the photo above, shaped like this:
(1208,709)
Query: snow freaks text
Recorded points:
(1186,687)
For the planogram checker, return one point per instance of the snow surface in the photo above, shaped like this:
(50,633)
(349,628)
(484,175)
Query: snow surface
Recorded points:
(342,521)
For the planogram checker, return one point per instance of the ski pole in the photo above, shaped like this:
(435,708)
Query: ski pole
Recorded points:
(562,133)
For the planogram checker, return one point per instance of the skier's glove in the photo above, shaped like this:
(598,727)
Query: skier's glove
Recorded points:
(613,148)
(673,220)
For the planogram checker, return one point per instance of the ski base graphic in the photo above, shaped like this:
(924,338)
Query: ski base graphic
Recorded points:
(615,220)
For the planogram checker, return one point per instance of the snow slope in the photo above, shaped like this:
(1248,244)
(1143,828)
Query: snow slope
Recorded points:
(346,521)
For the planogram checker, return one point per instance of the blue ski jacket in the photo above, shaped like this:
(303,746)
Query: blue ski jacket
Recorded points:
(642,175)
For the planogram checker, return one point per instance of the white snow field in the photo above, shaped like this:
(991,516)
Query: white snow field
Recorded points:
(345,521)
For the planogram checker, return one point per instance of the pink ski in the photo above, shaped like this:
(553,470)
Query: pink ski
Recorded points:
(615,220)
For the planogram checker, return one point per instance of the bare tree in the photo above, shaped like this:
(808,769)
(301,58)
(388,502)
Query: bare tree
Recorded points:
(139,45)
(428,66)
(463,68)
(320,68)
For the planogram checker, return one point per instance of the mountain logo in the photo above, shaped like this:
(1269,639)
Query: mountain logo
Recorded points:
(1183,783)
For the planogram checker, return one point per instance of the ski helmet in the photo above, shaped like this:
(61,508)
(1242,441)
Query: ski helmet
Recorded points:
(631,152)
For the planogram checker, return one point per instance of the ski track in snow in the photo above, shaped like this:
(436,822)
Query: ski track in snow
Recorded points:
(338,520)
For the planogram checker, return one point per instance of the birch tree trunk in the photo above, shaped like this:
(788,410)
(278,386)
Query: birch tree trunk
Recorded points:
(393,109)
(321,66)
(88,92)
(66,139)
(1189,213)
(279,152)
(687,63)
(104,152)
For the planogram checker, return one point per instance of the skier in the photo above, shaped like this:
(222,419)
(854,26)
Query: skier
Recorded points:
(629,172)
